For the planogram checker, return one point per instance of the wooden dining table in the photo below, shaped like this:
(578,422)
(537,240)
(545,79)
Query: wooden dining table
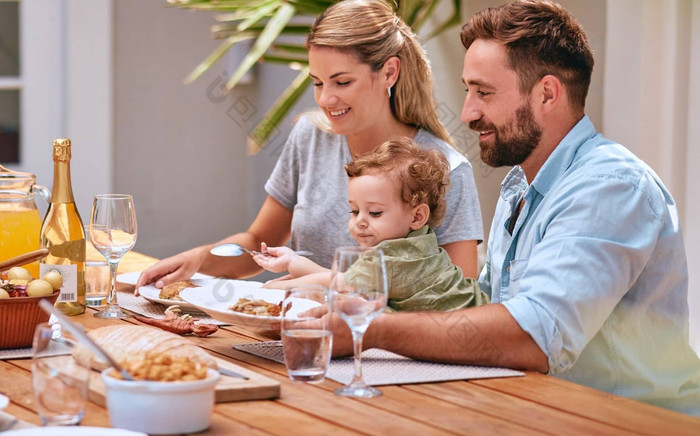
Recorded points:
(534,404)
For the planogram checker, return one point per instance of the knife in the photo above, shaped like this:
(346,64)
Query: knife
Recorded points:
(232,373)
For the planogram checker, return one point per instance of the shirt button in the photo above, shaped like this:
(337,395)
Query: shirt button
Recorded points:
(508,268)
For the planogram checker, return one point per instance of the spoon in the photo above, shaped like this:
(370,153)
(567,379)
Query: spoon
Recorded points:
(79,333)
(233,249)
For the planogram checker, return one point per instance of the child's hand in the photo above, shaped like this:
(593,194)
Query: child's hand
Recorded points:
(275,259)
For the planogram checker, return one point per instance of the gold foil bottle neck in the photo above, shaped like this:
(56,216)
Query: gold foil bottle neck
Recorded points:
(61,150)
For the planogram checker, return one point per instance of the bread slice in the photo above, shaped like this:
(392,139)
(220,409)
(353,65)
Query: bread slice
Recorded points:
(125,342)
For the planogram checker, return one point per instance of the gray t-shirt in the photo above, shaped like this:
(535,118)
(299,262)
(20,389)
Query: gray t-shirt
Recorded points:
(310,180)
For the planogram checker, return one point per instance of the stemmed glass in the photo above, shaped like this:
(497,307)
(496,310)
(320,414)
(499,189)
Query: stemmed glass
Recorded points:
(113,233)
(359,294)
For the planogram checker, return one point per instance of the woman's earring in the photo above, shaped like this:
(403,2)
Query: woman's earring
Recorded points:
(388,90)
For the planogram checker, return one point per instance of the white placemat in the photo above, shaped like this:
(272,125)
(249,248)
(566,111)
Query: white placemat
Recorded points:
(380,367)
(140,305)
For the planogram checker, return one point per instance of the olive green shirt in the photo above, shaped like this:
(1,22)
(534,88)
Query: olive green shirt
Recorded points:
(421,276)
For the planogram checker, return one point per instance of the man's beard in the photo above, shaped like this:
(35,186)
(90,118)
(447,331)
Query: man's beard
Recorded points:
(513,142)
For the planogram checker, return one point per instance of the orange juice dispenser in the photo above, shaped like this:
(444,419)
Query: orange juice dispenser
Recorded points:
(20,221)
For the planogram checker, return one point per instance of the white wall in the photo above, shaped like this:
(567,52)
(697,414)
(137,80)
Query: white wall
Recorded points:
(181,149)
(67,92)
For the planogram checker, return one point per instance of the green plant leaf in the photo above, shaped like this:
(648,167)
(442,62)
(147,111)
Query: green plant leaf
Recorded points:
(216,55)
(278,111)
(454,20)
(263,11)
(262,43)
(290,61)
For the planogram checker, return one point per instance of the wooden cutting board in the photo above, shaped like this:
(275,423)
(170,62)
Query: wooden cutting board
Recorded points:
(228,389)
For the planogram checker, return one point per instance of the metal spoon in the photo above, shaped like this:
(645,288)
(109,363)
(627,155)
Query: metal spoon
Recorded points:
(79,333)
(233,249)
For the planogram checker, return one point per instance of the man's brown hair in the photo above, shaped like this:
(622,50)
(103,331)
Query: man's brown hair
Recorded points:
(422,174)
(540,38)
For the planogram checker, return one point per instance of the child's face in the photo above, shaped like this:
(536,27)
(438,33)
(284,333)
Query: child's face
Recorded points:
(377,211)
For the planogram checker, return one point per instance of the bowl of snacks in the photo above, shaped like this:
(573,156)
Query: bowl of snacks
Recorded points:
(168,395)
(19,309)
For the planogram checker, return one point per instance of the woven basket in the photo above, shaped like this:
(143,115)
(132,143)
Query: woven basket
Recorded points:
(19,317)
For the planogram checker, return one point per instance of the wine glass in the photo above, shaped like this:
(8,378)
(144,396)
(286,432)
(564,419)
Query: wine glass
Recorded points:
(113,233)
(359,294)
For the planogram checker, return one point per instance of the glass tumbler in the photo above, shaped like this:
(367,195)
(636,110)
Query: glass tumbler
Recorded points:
(306,334)
(60,383)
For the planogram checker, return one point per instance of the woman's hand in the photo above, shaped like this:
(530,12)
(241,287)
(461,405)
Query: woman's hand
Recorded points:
(179,267)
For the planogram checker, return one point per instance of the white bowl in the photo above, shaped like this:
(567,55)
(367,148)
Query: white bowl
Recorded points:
(160,407)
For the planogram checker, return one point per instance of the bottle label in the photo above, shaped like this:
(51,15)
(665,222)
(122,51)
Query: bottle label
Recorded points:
(69,290)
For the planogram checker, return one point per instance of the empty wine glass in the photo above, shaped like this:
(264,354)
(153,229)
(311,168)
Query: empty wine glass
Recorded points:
(359,294)
(113,233)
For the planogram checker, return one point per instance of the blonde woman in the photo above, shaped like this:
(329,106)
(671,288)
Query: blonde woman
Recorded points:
(372,82)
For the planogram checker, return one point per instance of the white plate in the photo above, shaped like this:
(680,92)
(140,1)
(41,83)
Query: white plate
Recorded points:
(4,401)
(150,293)
(72,431)
(218,295)
(131,278)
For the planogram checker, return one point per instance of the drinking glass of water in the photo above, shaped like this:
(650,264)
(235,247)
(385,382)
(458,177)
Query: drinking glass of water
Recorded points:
(306,334)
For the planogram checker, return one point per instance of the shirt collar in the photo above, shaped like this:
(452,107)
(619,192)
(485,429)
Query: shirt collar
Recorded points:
(563,155)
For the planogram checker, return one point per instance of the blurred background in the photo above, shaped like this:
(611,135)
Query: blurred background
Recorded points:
(109,75)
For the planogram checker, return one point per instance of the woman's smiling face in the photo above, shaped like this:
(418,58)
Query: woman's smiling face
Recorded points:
(349,93)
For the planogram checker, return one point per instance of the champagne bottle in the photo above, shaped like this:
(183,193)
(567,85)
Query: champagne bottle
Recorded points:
(63,234)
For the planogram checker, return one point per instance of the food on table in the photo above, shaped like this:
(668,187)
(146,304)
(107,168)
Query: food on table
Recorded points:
(55,278)
(180,325)
(39,288)
(257,307)
(162,367)
(19,273)
(18,282)
(126,342)
(172,291)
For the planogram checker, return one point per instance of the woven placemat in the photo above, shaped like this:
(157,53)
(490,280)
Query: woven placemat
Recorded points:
(381,367)
(57,349)
(128,301)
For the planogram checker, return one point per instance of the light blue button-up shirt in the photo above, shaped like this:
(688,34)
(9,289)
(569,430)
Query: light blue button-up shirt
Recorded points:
(595,271)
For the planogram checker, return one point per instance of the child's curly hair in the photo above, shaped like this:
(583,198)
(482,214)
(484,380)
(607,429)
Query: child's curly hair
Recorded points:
(423,174)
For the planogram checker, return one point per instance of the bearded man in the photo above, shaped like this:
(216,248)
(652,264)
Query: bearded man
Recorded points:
(585,266)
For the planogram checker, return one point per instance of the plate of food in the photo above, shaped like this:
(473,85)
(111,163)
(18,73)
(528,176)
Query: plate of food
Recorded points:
(169,295)
(242,303)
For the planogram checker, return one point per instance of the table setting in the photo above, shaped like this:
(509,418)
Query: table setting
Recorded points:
(453,398)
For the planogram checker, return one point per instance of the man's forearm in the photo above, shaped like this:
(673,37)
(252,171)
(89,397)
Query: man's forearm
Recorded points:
(486,335)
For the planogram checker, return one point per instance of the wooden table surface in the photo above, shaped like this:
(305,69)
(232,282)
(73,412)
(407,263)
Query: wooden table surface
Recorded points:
(531,405)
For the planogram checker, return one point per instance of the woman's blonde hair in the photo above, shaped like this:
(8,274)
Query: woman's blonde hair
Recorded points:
(370,30)
(422,174)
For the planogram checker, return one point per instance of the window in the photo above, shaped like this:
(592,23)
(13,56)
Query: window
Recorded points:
(10,82)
